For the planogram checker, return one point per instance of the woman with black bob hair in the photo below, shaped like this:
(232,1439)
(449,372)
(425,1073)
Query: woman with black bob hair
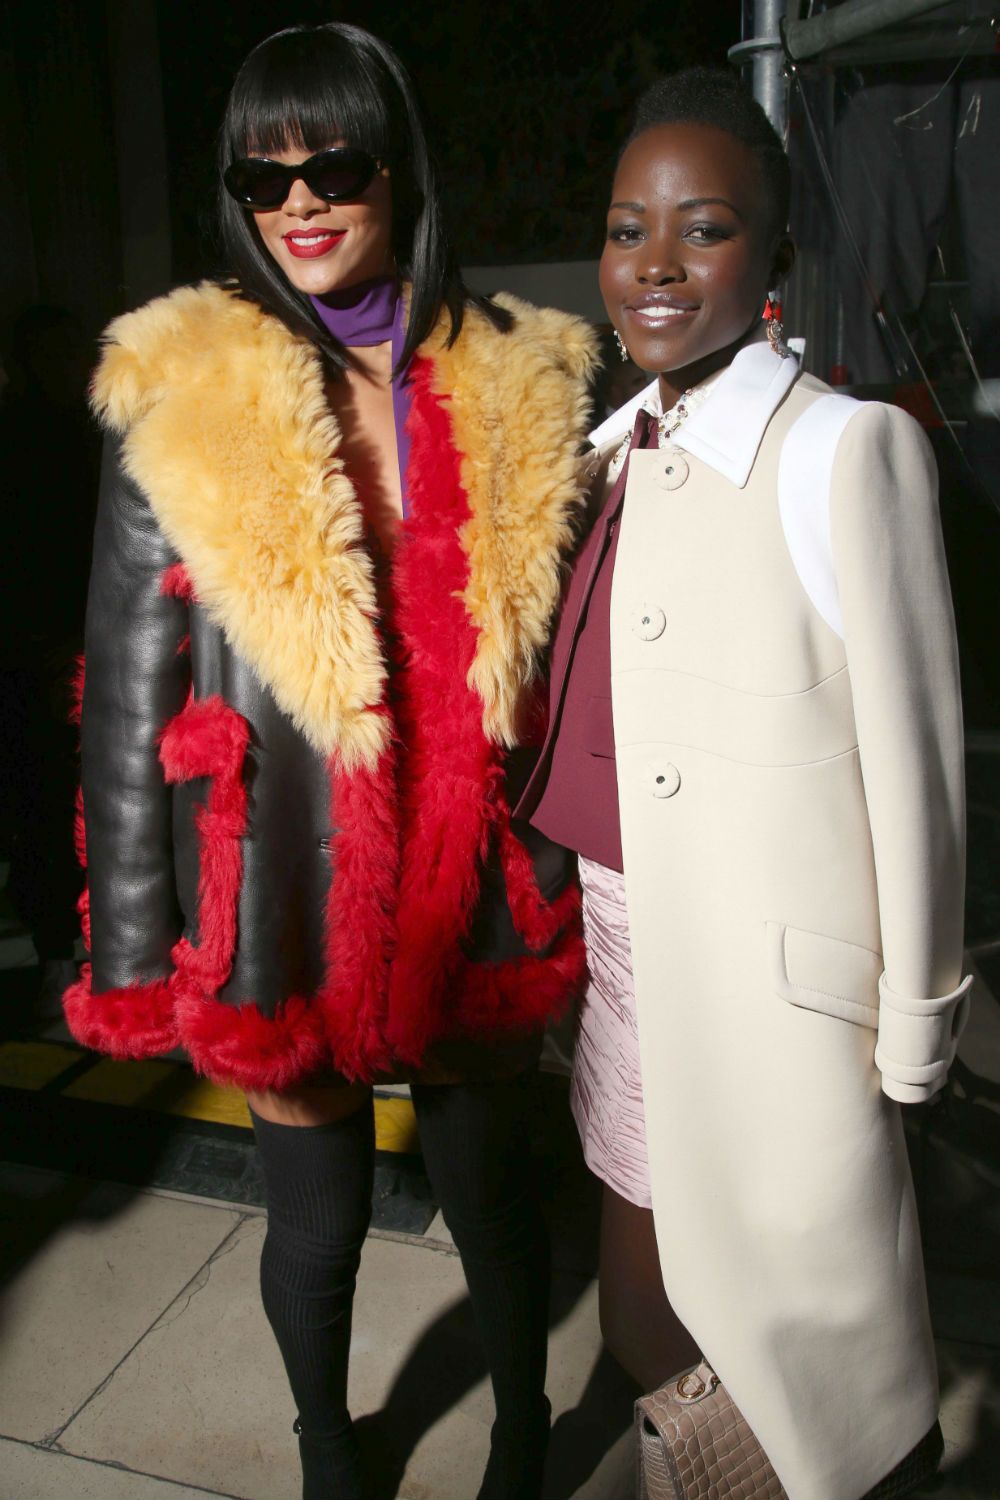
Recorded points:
(338,72)
(338,494)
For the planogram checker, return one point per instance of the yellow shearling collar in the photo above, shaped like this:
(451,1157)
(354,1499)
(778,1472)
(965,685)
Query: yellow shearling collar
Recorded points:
(226,428)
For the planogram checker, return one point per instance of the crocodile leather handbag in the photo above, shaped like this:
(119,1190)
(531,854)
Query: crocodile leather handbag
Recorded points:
(695,1444)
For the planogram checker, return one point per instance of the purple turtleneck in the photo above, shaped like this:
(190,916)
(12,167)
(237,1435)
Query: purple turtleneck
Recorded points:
(372,313)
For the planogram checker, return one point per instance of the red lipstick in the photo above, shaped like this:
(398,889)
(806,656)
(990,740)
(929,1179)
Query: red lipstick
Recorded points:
(308,244)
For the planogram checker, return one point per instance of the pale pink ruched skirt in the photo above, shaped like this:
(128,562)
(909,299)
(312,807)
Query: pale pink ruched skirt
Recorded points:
(606,1090)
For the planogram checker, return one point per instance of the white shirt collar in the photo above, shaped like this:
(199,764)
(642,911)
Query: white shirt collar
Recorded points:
(726,430)
(622,421)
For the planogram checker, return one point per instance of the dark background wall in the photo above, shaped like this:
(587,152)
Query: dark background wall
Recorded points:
(108,111)
(60,233)
(526,103)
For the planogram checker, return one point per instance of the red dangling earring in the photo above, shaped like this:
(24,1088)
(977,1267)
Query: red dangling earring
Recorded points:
(775,327)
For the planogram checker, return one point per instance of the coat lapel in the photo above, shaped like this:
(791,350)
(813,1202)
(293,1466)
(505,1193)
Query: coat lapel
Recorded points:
(518,405)
(226,428)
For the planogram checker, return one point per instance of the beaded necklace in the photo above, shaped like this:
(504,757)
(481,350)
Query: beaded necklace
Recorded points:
(666,425)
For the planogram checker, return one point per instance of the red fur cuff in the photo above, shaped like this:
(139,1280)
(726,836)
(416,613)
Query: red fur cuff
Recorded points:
(134,1021)
(237,1046)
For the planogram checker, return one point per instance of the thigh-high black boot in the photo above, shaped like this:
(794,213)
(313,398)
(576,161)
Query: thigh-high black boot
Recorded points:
(319,1189)
(474,1139)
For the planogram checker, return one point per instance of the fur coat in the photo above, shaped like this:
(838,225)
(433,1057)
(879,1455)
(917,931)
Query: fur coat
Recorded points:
(298,836)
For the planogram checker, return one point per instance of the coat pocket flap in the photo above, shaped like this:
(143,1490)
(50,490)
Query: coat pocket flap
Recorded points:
(824,973)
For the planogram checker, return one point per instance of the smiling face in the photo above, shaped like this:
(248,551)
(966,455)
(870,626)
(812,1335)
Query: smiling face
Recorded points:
(325,247)
(691,252)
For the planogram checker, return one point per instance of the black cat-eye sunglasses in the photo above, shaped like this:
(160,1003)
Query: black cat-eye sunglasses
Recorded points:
(336,175)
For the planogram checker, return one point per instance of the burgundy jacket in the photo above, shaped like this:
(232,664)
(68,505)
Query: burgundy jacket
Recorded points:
(572,794)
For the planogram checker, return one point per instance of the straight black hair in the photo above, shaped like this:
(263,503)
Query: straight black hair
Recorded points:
(308,87)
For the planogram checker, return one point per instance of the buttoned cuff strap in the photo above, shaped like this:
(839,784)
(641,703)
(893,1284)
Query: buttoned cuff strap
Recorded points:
(917,1040)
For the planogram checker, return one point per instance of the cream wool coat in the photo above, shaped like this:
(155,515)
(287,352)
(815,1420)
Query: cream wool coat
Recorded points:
(789,751)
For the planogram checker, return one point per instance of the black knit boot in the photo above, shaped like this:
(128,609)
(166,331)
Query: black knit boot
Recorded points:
(331,1464)
(516,1463)
(474,1139)
(319,1188)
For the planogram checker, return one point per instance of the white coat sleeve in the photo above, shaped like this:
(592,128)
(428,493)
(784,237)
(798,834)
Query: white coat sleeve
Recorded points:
(902,657)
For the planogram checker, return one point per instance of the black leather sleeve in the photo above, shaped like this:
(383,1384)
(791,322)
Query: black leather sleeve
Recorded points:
(135,682)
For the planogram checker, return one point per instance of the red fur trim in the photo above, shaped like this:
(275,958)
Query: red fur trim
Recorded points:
(360,918)
(79,822)
(209,738)
(83,907)
(76,684)
(79,830)
(233,1044)
(451,795)
(135,1021)
(206,738)
(451,769)
(537,920)
(521,995)
(176,583)
(237,1045)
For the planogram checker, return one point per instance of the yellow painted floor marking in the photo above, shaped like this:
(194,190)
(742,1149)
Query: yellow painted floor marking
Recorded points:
(395,1125)
(146,1082)
(165,1087)
(202,1100)
(31,1065)
(171,1088)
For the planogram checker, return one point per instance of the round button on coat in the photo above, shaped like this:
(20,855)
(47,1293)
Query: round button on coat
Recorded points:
(662,778)
(672,470)
(648,622)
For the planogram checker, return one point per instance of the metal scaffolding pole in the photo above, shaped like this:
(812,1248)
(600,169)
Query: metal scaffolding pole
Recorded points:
(841,34)
(770,88)
(847,23)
